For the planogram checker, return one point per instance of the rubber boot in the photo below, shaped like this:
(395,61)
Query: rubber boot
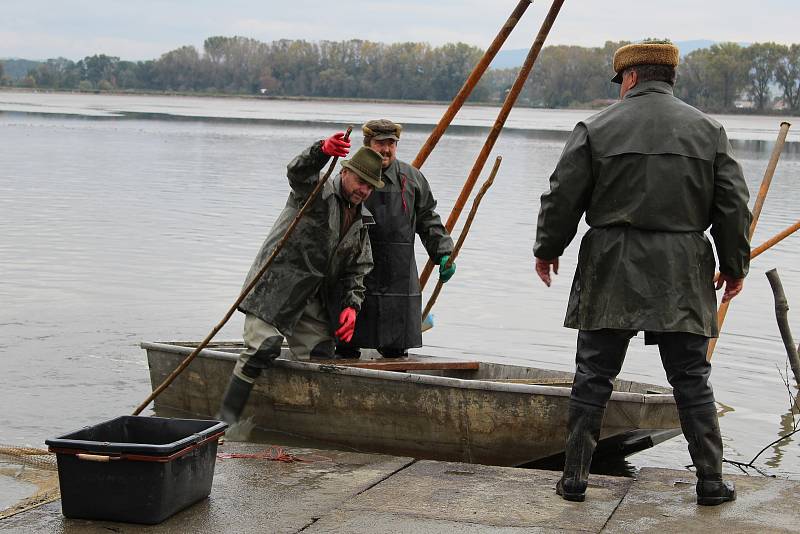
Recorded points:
(583,432)
(346,352)
(391,352)
(234,401)
(701,428)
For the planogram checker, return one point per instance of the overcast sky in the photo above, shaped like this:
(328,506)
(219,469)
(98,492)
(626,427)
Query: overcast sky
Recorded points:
(145,29)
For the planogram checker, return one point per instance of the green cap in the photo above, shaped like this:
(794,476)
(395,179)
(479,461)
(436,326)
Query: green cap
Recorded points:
(366,163)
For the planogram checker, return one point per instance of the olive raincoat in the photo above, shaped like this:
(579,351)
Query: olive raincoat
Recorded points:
(392,311)
(651,173)
(314,258)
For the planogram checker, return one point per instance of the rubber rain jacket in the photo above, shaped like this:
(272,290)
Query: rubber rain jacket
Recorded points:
(314,259)
(651,173)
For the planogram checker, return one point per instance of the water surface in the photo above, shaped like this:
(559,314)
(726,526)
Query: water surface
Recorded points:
(135,218)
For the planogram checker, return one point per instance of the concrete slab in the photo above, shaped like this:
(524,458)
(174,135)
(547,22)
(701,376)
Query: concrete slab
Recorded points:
(664,501)
(351,522)
(442,497)
(346,492)
(248,495)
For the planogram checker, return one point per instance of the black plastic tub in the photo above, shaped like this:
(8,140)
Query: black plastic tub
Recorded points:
(136,469)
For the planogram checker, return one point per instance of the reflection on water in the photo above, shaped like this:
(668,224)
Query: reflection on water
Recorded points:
(789,424)
(124,229)
(741,146)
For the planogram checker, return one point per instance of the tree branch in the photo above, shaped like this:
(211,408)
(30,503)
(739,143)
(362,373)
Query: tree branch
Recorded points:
(781,315)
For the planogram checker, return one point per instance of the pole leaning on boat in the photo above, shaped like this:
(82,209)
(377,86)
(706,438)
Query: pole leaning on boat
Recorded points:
(203,344)
(461,238)
(511,98)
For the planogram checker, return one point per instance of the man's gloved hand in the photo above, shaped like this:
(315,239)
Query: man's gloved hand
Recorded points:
(446,273)
(336,145)
(347,324)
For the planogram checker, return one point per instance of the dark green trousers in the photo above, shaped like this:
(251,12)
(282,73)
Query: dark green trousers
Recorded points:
(600,355)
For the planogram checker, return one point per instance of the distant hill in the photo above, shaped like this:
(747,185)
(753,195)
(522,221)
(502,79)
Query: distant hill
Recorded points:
(506,59)
(16,69)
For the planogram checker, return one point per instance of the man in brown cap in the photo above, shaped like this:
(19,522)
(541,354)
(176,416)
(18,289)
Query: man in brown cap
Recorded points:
(391,320)
(318,275)
(651,174)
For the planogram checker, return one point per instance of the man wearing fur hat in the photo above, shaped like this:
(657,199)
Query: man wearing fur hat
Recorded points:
(318,274)
(651,174)
(391,320)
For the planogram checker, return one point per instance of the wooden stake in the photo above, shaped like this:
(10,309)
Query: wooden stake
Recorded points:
(781,315)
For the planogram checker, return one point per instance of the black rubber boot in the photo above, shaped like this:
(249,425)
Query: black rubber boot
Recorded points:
(346,352)
(583,432)
(391,352)
(234,400)
(701,429)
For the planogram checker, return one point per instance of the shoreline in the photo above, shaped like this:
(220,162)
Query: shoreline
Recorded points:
(599,105)
(546,131)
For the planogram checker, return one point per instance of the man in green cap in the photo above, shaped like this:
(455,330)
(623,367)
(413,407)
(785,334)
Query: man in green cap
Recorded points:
(391,316)
(318,274)
(651,174)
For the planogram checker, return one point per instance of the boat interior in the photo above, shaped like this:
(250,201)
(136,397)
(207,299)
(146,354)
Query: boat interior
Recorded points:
(464,369)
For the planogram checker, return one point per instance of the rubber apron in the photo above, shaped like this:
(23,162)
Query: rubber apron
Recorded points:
(391,313)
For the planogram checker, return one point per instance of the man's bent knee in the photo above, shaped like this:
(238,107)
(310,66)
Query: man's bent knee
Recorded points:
(252,362)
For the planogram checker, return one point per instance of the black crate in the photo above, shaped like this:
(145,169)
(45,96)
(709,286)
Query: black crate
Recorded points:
(136,469)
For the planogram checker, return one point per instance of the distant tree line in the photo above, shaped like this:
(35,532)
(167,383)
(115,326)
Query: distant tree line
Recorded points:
(723,77)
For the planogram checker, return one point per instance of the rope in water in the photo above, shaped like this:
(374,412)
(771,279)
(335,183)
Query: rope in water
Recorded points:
(41,458)
(39,466)
(274,454)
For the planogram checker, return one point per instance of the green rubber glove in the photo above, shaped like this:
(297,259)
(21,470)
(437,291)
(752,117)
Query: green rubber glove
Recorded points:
(446,273)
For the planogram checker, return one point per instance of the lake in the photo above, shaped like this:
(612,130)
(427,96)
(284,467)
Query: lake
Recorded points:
(135,218)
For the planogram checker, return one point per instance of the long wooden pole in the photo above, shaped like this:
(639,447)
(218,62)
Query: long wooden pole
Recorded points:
(470,83)
(461,238)
(769,243)
(774,240)
(511,98)
(246,291)
(762,195)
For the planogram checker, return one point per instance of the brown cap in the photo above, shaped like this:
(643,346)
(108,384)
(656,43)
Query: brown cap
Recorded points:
(380,129)
(648,53)
(366,163)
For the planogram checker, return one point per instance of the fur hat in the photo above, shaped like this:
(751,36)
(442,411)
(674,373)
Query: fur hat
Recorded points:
(647,53)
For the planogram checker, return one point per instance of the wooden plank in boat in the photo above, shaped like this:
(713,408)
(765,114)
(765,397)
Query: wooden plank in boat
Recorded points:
(428,364)
(534,381)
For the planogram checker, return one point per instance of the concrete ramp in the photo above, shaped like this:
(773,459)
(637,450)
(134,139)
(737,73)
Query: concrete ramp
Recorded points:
(465,498)
(662,501)
(352,493)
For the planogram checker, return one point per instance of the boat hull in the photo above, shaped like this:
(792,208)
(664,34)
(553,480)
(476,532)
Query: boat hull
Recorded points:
(486,417)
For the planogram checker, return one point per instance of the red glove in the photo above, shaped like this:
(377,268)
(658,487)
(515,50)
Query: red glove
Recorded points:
(347,324)
(336,145)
